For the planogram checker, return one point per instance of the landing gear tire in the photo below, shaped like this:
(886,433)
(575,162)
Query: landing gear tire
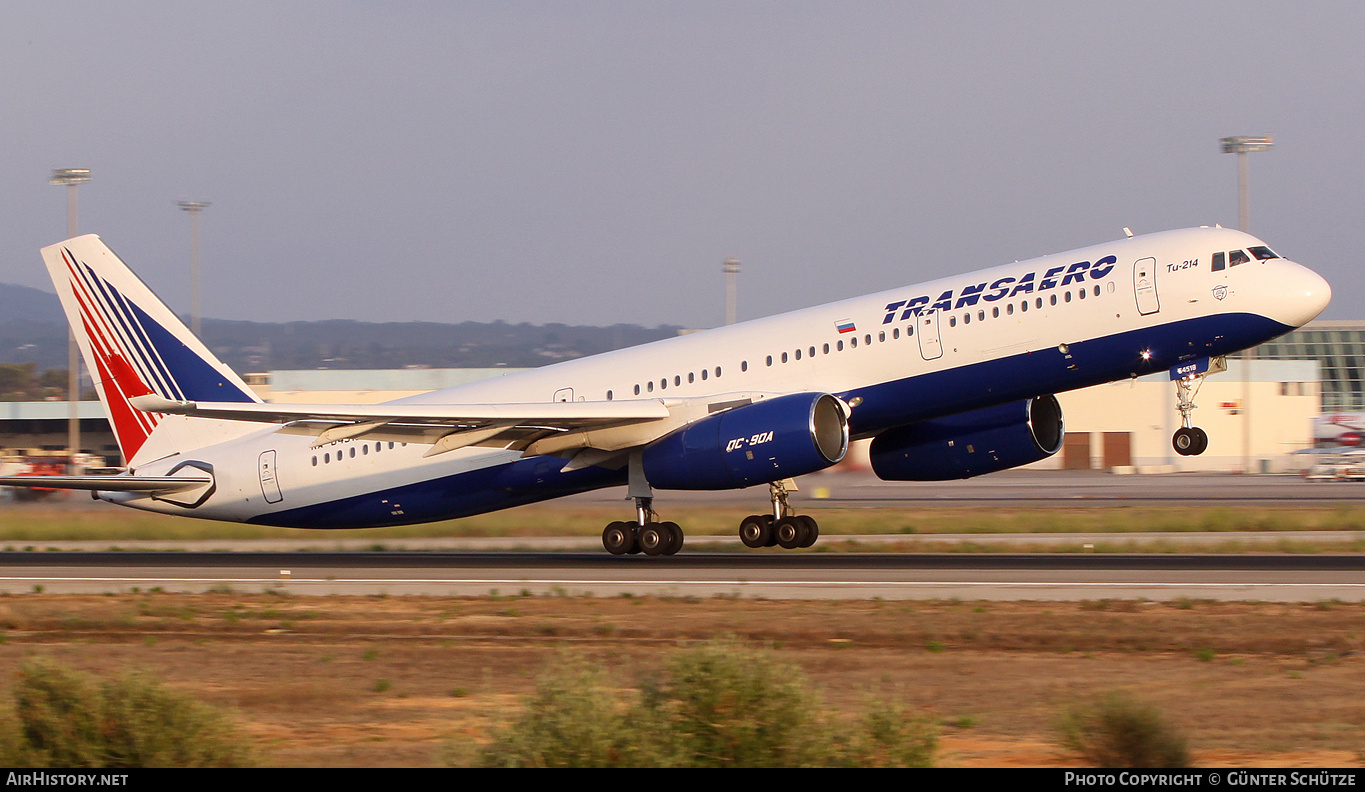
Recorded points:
(789,532)
(654,539)
(675,537)
(810,530)
(1190,441)
(756,530)
(619,538)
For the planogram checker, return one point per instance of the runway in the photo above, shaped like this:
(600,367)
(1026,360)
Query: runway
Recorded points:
(717,566)
(1277,578)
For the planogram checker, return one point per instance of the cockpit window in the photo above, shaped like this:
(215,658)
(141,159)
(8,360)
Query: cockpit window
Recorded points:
(1220,261)
(1236,257)
(1262,253)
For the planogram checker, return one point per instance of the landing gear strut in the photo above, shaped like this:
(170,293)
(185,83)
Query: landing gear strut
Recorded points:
(1188,440)
(782,527)
(645,534)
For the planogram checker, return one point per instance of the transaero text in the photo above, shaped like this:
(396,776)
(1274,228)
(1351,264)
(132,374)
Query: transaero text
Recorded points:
(990,291)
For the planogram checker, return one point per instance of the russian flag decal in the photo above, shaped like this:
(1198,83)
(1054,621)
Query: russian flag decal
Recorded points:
(846,326)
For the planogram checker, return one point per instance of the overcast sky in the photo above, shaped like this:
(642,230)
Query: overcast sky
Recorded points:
(594,162)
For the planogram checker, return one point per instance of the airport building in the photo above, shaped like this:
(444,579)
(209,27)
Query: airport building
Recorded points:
(1338,347)
(1258,413)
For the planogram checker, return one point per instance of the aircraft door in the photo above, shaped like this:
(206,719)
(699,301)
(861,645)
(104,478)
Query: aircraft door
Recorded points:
(564,395)
(930,345)
(270,485)
(1144,286)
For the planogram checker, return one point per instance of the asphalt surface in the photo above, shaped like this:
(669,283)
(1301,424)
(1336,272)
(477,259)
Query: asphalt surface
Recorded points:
(331,563)
(1287,578)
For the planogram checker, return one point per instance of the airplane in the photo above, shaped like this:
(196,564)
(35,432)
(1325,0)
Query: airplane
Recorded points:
(950,379)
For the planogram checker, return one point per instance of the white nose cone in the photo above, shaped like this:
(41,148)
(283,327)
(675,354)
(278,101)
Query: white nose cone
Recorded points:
(1304,295)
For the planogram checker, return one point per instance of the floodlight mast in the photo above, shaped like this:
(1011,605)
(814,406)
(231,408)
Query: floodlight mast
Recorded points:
(1242,145)
(71,178)
(194,208)
(731,269)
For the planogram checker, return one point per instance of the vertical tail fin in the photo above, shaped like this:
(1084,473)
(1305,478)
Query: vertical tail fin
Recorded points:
(121,325)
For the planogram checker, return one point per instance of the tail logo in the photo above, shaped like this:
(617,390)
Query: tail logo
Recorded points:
(133,355)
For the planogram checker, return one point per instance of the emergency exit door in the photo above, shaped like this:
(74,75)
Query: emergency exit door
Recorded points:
(930,345)
(270,485)
(1144,286)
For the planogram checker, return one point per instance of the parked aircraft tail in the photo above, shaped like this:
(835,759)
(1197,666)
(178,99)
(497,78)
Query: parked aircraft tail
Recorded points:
(129,337)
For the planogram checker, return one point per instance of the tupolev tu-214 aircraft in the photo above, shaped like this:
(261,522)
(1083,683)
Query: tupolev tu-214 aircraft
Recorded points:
(950,379)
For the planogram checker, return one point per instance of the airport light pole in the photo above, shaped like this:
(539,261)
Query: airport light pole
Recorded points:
(194,208)
(1242,145)
(71,178)
(731,269)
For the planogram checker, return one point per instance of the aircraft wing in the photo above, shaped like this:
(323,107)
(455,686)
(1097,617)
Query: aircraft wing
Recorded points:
(606,425)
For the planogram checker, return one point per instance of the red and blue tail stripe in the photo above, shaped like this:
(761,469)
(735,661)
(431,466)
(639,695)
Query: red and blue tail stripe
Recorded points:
(123,337)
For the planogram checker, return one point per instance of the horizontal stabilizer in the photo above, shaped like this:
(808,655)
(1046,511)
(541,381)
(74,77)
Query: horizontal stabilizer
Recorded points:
(109,483)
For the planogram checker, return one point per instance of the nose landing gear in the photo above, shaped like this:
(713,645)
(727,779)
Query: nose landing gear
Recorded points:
(1188,440)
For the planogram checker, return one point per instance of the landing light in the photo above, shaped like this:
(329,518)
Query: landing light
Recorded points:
(1146,354)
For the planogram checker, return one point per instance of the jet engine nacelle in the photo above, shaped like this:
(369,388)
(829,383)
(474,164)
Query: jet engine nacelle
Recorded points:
(761,442)
(972,443)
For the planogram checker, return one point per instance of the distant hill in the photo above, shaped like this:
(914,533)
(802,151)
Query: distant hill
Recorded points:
(33,329)
(23,303)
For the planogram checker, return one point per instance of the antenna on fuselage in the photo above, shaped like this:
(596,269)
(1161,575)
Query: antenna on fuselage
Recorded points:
(1128,232)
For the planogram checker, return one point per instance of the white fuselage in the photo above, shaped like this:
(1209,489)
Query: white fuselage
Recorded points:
(1049,324)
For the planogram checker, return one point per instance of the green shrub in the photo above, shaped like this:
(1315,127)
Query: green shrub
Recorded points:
(727,706)
(1117,731)
(891,737)
(716,705)
(571,721)
(65,718)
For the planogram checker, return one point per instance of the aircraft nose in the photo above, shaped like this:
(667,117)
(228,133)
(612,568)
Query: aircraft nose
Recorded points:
(1305,294)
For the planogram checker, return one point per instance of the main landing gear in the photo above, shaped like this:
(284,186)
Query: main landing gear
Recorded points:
(1188,440)
(645,534)
(782,528)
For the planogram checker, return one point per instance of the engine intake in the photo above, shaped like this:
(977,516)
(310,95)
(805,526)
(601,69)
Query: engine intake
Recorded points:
(972,443)
(761,442)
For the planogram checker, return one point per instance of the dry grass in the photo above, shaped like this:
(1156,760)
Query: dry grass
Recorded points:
(1249,683)
(24,526)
